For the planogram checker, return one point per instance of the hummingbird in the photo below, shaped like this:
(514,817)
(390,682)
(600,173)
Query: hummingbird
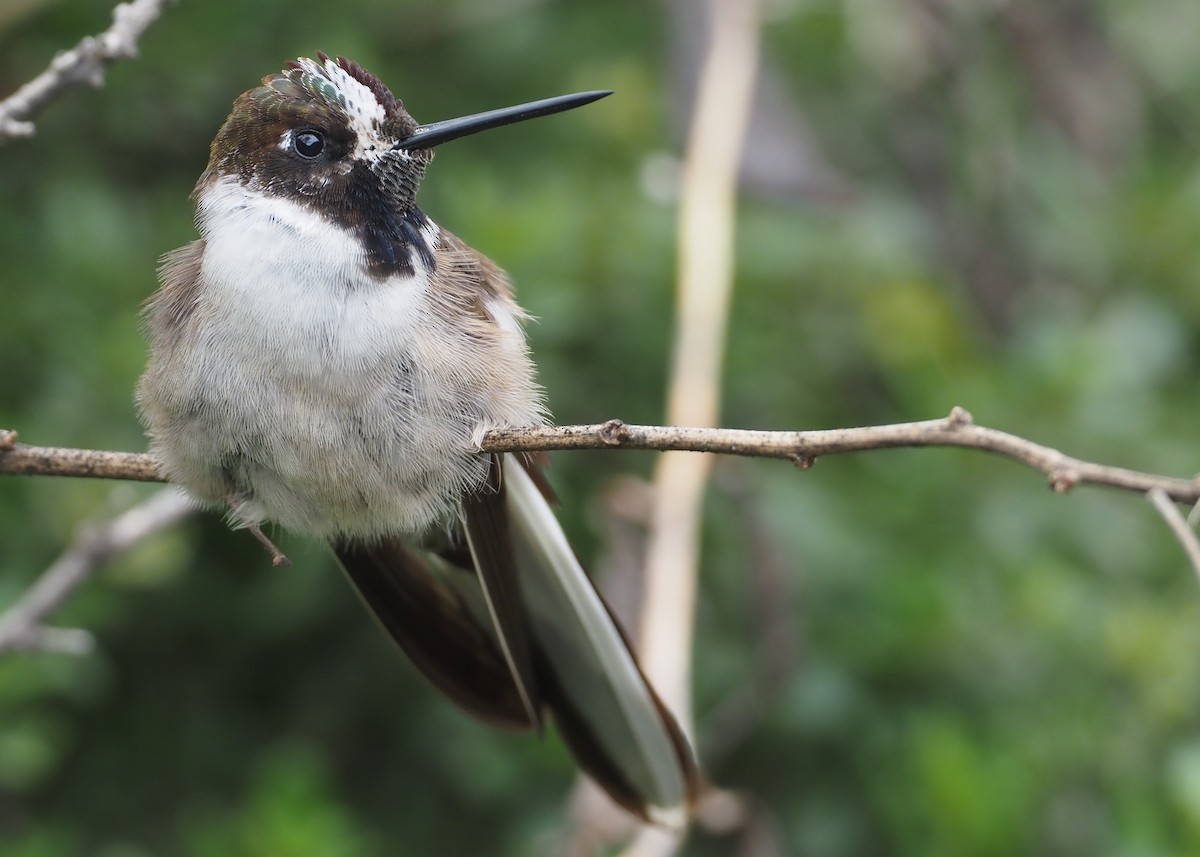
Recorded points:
(327,358)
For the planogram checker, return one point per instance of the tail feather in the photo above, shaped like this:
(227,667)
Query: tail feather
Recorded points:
(607,711)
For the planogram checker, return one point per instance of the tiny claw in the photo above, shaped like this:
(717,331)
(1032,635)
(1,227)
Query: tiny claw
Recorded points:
(8,439)
(803,461)
(278,558)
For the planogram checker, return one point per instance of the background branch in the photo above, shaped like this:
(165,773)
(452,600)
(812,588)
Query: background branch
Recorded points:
(83,64)
(1179,525)
(22,624)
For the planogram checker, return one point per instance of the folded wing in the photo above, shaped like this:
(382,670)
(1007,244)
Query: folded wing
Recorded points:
(505,650)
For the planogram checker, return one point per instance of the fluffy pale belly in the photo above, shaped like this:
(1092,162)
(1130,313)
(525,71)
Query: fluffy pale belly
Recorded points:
(375,452)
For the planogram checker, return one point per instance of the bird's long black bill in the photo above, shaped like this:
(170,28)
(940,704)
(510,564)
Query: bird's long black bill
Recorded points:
(451,129)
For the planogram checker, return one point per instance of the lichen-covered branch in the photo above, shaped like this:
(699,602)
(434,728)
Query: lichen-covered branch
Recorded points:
(801,447)
(22,627)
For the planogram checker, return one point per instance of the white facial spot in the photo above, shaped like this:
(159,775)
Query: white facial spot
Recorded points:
(366,115)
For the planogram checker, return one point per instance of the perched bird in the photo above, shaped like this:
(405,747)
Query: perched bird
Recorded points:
(328,358)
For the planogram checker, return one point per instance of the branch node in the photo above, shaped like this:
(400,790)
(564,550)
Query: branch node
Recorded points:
(1062,481)
(959,417)
(8,439)
(802,460)
(615,433)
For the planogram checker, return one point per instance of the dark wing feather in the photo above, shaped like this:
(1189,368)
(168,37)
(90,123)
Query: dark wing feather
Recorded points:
(485,520)
(431,617)
(534,463)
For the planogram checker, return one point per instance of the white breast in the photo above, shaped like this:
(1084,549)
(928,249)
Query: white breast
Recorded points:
(331,401)
(283,283)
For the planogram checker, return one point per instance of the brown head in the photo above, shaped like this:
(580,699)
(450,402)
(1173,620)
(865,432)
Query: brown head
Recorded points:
(331,136)
(324,133)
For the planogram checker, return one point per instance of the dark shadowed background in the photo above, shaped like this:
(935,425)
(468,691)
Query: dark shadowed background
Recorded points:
(994,205)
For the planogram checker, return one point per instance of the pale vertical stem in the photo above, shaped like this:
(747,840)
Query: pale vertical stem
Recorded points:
(706,232)
(705,247)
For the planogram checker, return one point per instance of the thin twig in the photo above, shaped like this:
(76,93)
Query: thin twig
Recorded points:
(83,64)
(21,625)
(1193,518)
(19,459)
(1175,520)
(803,448)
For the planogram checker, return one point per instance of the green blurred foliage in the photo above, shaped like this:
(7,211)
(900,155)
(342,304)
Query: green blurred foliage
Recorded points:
(903,652)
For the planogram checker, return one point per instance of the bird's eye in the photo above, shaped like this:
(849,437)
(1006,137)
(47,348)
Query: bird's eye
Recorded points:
(309,144)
